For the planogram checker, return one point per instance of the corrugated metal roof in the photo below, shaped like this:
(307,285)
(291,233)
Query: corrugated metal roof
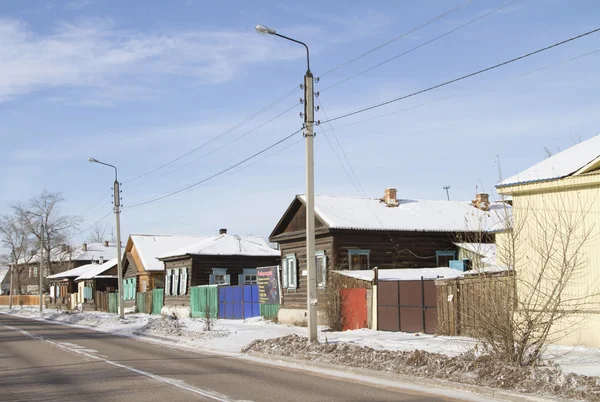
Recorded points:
(151,246)
(227,245)
(343,212)
(560,165)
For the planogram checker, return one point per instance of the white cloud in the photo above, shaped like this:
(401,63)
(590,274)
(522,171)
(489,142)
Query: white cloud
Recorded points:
(95,54)
(78,4)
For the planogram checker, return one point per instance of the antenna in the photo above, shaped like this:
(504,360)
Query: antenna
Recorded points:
(447,192)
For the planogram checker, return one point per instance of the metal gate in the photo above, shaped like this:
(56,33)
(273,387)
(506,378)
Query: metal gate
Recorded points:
(407,306)
(238,302)
(354,308)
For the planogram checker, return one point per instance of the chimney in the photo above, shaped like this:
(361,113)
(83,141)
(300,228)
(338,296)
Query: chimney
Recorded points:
(222,231)
(389,197)
(105,243)
(101,260)
(84,247)
(482,201)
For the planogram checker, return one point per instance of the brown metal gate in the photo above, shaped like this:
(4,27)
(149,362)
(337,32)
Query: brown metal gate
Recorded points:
(407,306)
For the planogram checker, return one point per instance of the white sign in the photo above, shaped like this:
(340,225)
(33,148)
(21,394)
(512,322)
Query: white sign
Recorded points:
(450,297)
(304,272)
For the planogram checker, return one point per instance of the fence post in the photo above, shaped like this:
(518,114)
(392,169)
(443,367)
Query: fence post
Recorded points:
(423,303)
(399,316)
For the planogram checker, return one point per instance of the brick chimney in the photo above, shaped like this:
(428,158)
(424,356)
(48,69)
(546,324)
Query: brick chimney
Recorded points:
(389,197)
(222,231)
(105,243)
(84,247)
(482,201)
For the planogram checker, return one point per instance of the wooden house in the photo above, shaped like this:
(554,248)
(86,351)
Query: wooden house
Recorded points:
(97,278)
(355,233)
(142,272)
(219,260)
(63,284)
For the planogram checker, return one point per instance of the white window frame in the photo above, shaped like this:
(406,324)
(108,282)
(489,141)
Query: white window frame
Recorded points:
(321,258)
(220,272)
(249,272)
(290,272)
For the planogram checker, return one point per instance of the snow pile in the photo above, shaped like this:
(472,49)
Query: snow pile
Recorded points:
(465,368)
(177,330)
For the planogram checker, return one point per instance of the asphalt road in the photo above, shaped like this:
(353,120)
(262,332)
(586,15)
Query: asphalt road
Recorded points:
(42,361)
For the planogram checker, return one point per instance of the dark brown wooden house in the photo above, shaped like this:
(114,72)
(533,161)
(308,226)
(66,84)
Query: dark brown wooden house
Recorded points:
(219,260)
(355,233)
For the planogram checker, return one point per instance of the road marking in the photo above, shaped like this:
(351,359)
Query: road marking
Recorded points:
(215,396)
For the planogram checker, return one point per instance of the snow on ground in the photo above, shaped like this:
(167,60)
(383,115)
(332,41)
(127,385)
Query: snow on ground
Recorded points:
(230,336)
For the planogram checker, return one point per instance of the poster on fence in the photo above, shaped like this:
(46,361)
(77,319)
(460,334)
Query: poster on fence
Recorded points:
(268,288)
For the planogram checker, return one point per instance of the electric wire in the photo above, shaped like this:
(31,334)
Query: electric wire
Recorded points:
(403,35)
(462,77)
(419,46)
(216,174)
(94,224)
(224,133)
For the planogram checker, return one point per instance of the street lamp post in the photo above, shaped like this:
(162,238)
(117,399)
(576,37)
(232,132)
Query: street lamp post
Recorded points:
(309,119)
(117,209)
(41,275)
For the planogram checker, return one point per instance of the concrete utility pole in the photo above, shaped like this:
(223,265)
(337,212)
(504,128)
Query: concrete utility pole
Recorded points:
(117,210)
(309,120)
(12,270)
(41,273)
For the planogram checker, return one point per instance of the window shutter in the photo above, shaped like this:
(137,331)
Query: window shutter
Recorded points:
(183,282)
(228,279)
(323,278)
(133,288)
(168,283)
(284,273)
(211,280)
(52,291)
(293,273)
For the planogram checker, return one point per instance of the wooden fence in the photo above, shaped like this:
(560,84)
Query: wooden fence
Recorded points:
(28,300)
(468,304)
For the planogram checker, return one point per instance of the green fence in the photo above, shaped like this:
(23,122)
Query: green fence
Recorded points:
(113,303)
(269,310)
(203,299)
(157,300)
(140,302)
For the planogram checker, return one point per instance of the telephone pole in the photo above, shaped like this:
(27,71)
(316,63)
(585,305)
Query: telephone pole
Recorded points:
(41,275)
(447,192)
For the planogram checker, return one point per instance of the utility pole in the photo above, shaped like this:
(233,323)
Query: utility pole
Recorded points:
(12,270)
(41,265)
(447,192)
(117,198)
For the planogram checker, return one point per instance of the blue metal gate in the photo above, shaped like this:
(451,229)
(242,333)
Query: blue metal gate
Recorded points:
(238,302)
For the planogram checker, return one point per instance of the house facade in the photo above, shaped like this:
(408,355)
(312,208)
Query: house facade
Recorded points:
(359,234)
(555,234)
(217,260)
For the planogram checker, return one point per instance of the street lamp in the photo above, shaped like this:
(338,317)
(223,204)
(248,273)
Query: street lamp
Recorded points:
(309,119)
(117,203)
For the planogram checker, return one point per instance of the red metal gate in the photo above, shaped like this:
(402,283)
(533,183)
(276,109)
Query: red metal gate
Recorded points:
(407,306)
(354,308)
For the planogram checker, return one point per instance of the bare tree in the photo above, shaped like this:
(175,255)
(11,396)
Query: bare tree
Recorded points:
(57,228)
(16,238)
(98,233)
(543,292)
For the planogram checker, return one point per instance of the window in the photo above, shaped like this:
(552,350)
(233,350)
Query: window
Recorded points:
(443,258)
(358,259)
(176,282)
(289,272)
(220,277)
(321,268)
(248,277)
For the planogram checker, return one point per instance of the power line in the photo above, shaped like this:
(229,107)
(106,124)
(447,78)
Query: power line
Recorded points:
(216,174)
(461,78)
(413,30)
(216,149)
(95,223)
(246,120)
(454,96)
(419,46)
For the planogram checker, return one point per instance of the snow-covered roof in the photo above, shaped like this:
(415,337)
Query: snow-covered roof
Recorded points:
(225,244)
(72,273)
(94,252)
(411,274)
(149,247)
(344,212)
(3,272)
(560,165)
(486,250)
(96,270)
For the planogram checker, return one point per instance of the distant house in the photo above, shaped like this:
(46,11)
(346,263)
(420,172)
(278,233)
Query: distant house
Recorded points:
(63,258)
(97,278)
(142,272)
(63,283)
(556,205)
(354,233)
(4,280)
(218,260)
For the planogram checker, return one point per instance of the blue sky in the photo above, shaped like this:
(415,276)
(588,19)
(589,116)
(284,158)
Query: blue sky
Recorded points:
(139,83)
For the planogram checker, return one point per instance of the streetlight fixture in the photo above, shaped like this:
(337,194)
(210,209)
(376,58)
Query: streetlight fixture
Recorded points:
(309,120)
(117,209)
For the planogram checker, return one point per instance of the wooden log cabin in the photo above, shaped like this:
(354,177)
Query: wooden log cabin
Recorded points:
(219,260)
(355,233)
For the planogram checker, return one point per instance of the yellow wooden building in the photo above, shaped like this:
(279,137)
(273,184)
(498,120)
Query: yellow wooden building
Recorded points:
(554,242)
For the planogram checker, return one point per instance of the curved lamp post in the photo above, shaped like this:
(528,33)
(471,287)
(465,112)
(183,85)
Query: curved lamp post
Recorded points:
(309,119)
(117,203)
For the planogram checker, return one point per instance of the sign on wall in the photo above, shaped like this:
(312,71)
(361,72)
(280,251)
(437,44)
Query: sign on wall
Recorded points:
(268,286)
